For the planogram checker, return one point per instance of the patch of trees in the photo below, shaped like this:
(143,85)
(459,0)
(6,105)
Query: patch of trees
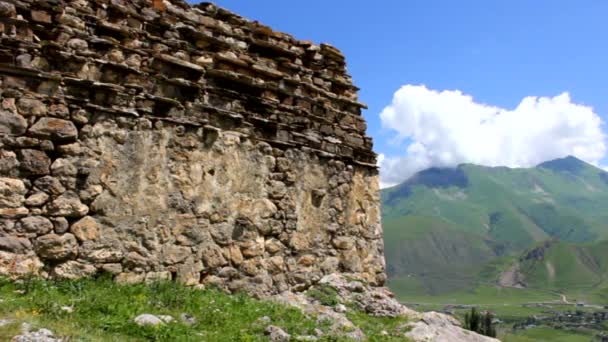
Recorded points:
(480,323)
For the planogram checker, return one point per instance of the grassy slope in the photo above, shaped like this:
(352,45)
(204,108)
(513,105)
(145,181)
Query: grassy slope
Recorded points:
(443,227)
(104,311)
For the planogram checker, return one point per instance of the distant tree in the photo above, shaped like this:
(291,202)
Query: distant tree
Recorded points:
(481,324)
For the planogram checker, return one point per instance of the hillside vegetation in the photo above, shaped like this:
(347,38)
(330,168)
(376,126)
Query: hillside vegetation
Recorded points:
(447,230)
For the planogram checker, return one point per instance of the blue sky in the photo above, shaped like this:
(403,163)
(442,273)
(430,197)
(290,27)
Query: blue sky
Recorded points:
(496,52)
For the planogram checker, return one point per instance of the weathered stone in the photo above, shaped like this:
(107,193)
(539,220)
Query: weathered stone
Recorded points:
(63,167)
(56,247)
(54,129)
(277,334)
(73,270)
(7,10)
(222,233)
(31,107)
(106,253)
(212,256)
(343,242)
(85,229)
(111,268)
(60,224)
(34,162)
(36,225)
(274,246)
(49,185)
(152,277)
(190,273)
(41,17)
(174,254)
(68,204)
(148,320)
(12,124)
(15,244)
(37,199)
(77,44)
(13,212)
(252,248)
(8,163)
(130,278)
(12,192)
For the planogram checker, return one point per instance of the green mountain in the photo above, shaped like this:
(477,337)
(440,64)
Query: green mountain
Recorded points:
(452,229)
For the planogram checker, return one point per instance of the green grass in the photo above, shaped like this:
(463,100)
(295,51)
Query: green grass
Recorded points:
(324,294)
(542,334)
(104,311)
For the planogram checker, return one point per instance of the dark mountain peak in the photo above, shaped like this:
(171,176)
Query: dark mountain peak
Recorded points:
(434,177)
(567,164)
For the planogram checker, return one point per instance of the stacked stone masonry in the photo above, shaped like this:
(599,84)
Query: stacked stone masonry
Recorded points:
(158,140)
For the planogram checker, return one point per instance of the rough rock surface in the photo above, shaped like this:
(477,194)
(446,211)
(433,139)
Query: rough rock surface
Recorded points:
(377,301)
(158,140)
(41,335)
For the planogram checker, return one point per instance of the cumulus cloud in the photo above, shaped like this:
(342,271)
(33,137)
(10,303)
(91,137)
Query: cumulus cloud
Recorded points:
(447,128)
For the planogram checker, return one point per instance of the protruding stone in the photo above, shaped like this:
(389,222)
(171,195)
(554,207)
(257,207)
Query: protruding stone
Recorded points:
(277,334)
(9,164)
(12,124)
(54,129)
(74,270)
(12,192)
(36,224)
(56,247)
(49,185)
(148,320)
(85,229)
(15,244)
(68,204)
(31,107)
(7,10)
(130,278)
(78,44)
(174,254)
(63,167)
(37,199)
(34,162)
(60,224)
(41,17)
(13,212)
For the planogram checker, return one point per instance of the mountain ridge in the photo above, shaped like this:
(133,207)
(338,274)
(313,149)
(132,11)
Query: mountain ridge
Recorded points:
(444,225)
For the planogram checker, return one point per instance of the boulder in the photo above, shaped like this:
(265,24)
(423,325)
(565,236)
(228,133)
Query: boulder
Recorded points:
(148,320)
(277,334)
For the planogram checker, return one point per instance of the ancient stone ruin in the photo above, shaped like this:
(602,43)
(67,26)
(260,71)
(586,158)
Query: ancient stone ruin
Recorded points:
(152,139)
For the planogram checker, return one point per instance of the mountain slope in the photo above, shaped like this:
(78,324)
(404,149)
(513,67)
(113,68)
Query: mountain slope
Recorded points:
(442,226)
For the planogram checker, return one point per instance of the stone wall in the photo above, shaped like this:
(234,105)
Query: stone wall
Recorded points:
(154,140)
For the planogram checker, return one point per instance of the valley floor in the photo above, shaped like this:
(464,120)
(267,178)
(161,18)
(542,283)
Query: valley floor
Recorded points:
(525,315)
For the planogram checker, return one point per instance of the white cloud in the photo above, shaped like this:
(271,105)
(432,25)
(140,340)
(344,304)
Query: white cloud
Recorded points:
(447,128)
